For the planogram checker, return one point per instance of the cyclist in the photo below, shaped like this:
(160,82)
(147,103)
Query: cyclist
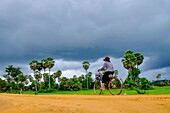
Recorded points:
(109,69)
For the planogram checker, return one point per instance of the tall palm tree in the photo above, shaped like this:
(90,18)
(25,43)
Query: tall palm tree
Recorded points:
(44,64)
(139,58)
(129,61)
(33,66)
(39,66)
(50,64)
(86,65)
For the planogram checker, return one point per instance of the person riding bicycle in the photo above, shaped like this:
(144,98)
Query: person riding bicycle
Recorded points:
(109,69)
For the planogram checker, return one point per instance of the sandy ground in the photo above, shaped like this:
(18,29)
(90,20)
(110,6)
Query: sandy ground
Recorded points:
(13,103)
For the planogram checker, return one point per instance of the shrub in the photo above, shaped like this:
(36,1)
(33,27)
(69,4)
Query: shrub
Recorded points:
(140,91)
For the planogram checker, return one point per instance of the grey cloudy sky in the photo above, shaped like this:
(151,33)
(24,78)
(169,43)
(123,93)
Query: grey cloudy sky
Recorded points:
(77,30)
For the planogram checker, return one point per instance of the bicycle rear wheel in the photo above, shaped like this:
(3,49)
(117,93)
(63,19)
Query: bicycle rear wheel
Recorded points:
(97,86)
(115,86)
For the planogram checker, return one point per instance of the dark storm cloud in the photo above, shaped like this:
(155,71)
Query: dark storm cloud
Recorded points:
(84,29)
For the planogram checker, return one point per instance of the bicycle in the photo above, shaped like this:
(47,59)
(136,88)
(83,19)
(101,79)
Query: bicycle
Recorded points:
(115,85)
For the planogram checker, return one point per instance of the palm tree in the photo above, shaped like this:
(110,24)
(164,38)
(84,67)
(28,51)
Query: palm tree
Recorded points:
(129,62)
(30,78)
(33,66)
(45,77)
(158,76)
(50,64)
(57,74)
(39,66)
(44,64)
(116,72)
(21,79)
(86,65)
(38,77)
(139,58)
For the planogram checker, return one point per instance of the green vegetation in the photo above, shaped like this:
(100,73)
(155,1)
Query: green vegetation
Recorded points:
(42,82)
(155,91)
(86,65)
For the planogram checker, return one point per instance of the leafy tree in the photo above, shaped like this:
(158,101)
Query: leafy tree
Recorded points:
(3,85)
(135,72)
(12,75)
(145,84)
(73,83)
(86,65)
(63,81)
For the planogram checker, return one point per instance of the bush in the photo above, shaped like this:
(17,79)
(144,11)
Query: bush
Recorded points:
(49,90)
(161,84)
(140,91)
(145,84)
(14,91)
(130,84)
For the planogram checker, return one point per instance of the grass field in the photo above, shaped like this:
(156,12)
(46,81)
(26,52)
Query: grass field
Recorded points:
(156,91)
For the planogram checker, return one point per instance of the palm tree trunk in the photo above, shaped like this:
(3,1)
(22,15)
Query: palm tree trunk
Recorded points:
(130,72)
(49,79)
(35,83)
(87,80)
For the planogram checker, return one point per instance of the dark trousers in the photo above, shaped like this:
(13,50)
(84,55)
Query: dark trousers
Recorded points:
(105,77)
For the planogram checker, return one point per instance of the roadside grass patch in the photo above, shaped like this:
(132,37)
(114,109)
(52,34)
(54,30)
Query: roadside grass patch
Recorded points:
(156,91)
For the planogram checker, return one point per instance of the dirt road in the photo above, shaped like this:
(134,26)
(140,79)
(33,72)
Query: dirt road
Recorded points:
(12,103)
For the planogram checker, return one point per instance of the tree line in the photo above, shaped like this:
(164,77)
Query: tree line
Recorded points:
(45,81)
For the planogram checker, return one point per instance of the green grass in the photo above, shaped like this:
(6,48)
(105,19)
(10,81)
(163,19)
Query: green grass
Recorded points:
(156,91)
(159,90)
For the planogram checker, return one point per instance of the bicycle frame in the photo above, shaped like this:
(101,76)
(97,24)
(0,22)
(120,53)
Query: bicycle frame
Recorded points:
(114,85)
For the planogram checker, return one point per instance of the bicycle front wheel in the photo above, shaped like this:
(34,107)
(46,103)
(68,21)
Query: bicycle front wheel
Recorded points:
(97,86)
(115,86)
